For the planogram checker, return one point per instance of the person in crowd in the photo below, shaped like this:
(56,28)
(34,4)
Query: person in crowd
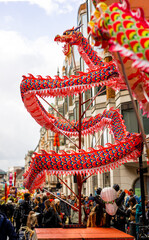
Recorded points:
(38,210)
(44,198)
(147,210)
(91,197)
(75,213)
(64,209)
(68,220)
(86,200)
(97,217)
(98,200)
(17,215)
(131,211)
(73,199)
(91,204)
(57,217)
(32,221)
(131,194)
(120,195)
(25,208)
(119,220)
(58,208)
(137,216)
(3,208)
(51,218)
(6,228)
(10,208)
(82,199)
(37,203)
(87,212)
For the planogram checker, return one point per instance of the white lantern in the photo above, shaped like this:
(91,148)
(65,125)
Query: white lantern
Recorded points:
(109,195)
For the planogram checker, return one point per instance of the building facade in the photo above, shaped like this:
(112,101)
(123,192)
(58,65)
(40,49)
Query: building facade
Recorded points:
(16,173)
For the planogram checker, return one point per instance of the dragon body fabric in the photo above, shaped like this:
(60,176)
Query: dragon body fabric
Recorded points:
(100,73)
(126,31)
(127,146)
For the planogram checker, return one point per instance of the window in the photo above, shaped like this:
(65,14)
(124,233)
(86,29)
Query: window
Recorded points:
(89,10)
(84,27)
(76,112)
(83,100)
(103,90)
(92,95)
(129,116)
(106,179)
(81,64)
(70,101)
(62,140)
(76,54)
(94,183)
(145,123)
(131,123)
(104,138)
(87,96)
(71,118)
(60,98)
(93,142)
(61,112)
(137,188)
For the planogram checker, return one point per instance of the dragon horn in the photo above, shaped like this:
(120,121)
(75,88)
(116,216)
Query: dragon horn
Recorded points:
(78,27)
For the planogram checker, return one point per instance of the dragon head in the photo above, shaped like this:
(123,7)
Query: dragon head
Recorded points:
(69,37)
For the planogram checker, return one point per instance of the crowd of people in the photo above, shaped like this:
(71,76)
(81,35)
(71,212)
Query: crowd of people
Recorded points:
(42,210)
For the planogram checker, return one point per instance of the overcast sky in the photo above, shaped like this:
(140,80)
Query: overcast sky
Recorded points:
(27,31)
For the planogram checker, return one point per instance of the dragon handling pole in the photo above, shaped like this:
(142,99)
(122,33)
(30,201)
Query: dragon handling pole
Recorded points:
(144,139)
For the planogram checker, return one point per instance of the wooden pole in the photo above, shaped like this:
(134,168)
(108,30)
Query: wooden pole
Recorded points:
(67,186)
(79,180)
(67,137)
(142,189)
(134,105)
(60,199)
(79,176)
(58,113)
(91,101)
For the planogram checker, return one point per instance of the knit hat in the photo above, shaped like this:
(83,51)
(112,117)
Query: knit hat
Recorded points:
(116,187)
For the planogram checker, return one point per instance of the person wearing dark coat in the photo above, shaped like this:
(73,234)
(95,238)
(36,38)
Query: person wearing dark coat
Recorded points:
(25,208)
(121,197)
(6,228)
(38,209)
(51,218)
(119,220)
(91,197)
(64,209)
